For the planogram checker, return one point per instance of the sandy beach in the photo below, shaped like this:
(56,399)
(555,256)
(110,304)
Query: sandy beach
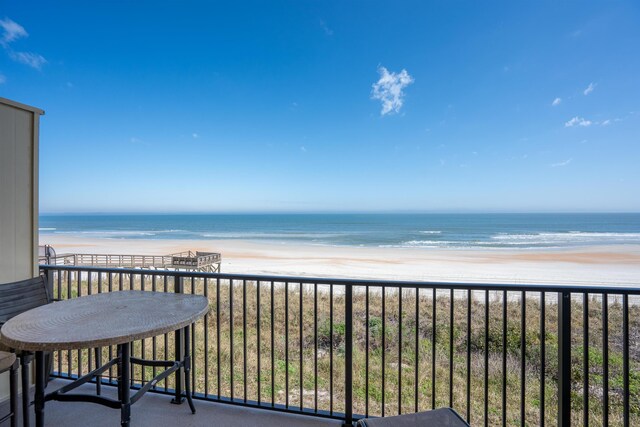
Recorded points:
(595,265)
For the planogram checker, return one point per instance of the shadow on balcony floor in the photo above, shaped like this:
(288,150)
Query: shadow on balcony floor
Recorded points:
(156,410)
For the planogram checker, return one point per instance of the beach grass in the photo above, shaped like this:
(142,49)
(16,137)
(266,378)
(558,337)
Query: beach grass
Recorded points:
(292,357)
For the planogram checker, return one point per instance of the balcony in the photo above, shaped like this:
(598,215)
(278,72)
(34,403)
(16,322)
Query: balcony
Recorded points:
(333,351)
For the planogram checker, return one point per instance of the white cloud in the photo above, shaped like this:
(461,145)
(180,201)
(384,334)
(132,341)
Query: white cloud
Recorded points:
(3,79)
(33,60)
(195,135)
(328,31)
(389,89)
(606,122)
(589,89)
(578,121)
(11,31)
(303,149)
(138,141)
(556,102)
(561,164)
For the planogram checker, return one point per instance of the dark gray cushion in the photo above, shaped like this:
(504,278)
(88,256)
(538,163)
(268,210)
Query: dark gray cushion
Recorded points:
(445,417)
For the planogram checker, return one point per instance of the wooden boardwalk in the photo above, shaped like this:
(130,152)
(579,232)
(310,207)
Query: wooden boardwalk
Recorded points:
(189,261)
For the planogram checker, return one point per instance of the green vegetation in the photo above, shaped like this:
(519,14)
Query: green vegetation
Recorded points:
(399,371)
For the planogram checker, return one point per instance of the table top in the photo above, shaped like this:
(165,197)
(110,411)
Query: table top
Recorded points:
(101,320)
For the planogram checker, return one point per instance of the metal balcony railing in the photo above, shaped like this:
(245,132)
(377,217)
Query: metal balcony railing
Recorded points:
(345,349)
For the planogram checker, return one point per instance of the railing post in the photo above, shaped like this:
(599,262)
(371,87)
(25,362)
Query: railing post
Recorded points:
(564,358)
(48,279)
(348,350)
(179,347)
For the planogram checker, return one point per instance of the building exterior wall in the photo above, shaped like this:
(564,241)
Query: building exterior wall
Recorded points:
(19,125)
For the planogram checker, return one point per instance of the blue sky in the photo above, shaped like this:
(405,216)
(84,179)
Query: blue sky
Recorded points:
(156,106)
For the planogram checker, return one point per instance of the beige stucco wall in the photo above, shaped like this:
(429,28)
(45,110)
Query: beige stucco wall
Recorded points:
(19,126)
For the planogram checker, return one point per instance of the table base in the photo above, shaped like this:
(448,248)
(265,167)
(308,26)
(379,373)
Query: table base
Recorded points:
(123,361)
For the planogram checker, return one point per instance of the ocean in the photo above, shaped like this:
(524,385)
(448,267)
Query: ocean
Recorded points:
(445,231)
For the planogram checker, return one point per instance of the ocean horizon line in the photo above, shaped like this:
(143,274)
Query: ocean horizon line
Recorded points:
(444,212)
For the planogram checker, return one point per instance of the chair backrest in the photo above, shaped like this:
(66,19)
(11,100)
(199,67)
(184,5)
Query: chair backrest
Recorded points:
(18,297)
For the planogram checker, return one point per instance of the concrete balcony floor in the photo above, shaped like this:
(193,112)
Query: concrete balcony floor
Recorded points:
(156,410)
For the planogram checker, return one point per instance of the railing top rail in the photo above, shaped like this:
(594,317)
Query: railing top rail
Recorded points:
(595,289)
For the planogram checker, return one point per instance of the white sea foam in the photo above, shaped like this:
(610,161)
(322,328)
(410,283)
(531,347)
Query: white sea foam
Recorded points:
(423,244)
(109,233)
(265,235)
(47,229)
(431,232)
(571,235)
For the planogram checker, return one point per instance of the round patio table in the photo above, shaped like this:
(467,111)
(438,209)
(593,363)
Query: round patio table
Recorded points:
(99,320)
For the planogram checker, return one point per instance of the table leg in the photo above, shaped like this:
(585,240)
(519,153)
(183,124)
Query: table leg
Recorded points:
(98,352)
(25,361)
(187,368)
(124,378)
(39,392)
(179,356)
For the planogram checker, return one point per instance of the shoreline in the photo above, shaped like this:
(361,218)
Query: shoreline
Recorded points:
(617,265)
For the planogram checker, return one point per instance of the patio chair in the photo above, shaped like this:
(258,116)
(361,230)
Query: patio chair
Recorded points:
(9,362)
(16,298)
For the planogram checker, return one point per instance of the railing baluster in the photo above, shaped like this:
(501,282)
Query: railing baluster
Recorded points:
(399,351)
(301,343)
(564,358)
(110,288)
(286,344)
(179,344)
(433,349)
(585,359)
(486,357)
(79,352)
(348,376)
(206,342)
(504,358)
(132,367)
(315,346)
(366,353)
(273,360)
(231,350)
(543,356)
(331,350)
(69,371)
(523,354)
(154,344)
(384,347)
(166,336)
(258,341)
(451,316)
(468,355)
(194,361)
(218,344)
(605,360)
(625,359)
(244,339)
(60,298)
(416,351)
